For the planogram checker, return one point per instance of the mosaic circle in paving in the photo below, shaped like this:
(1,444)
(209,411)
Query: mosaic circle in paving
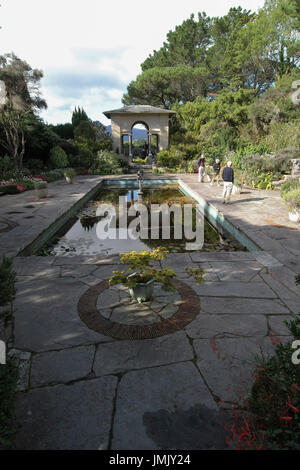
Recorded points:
(109,310)
(7,225)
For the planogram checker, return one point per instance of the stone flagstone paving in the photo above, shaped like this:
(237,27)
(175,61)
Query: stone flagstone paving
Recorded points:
(80,389)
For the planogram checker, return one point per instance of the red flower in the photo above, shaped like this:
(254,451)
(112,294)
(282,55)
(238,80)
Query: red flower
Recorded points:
(43,178)
(21,188)
(286,418)
(292,406)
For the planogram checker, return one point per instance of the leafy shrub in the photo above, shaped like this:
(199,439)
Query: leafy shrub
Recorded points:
(10,189)
(259,179)
(292,200)
(26,172)
(140,160)
(74,161)
(158,171)
(8,381)
(275,395)
(6,164)
(53,175)
(29,183)
(35,164)
(107,163)
(170,158)
(7,282)
(85,130)
(289,186)
(8,372)
(58,157)
(283,135)
(86,156)
(192,166)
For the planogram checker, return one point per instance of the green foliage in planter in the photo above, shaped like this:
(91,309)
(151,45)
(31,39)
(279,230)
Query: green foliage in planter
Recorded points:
(70,173)
(139,263)
(275,395)
(292,200)
(40,184)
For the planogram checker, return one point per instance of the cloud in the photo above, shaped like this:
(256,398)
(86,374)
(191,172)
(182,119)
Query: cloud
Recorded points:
(70,81)
(96,54)
(93,100)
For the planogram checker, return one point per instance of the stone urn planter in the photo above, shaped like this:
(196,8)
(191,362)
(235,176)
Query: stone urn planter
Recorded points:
(294,216)
(237,189)
(140,282)
(69,175)
(41,189)
(142,292)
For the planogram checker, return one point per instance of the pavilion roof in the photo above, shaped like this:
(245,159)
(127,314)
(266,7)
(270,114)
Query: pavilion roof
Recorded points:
(138,109)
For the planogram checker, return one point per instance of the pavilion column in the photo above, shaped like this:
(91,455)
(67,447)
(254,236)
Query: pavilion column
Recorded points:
(130,144)
(149,144)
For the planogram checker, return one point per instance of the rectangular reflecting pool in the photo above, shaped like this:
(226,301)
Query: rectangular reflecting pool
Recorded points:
(80,235)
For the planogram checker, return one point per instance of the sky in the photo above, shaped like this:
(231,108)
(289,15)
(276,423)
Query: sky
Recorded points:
(90,50)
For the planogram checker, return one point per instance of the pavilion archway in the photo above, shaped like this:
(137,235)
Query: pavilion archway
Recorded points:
(156,121)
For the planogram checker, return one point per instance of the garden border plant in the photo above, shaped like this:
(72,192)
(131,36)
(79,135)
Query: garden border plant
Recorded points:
(269,418)
(8,371)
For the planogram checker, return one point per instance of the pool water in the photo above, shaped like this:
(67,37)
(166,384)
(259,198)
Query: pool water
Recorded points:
(79,237)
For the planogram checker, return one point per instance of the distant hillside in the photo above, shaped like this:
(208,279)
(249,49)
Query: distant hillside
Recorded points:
(136,133)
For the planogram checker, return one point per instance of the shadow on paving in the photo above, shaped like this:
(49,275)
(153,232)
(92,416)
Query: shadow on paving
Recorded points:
(198,428)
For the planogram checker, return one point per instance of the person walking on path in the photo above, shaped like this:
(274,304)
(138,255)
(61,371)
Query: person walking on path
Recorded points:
(216,169)
(201,169)
(228,178)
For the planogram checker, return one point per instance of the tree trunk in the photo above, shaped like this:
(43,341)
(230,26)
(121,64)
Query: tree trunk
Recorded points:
(15,136)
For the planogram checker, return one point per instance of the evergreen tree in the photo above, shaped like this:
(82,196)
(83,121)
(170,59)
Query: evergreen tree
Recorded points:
(77,116)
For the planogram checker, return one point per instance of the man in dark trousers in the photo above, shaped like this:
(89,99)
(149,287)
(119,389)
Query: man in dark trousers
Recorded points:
(216,175)
(228,178)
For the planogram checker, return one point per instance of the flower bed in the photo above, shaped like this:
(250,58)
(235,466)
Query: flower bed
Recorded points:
(21,182)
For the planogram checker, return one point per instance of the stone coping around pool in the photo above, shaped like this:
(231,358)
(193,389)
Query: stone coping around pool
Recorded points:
(217,219)
(92,317)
